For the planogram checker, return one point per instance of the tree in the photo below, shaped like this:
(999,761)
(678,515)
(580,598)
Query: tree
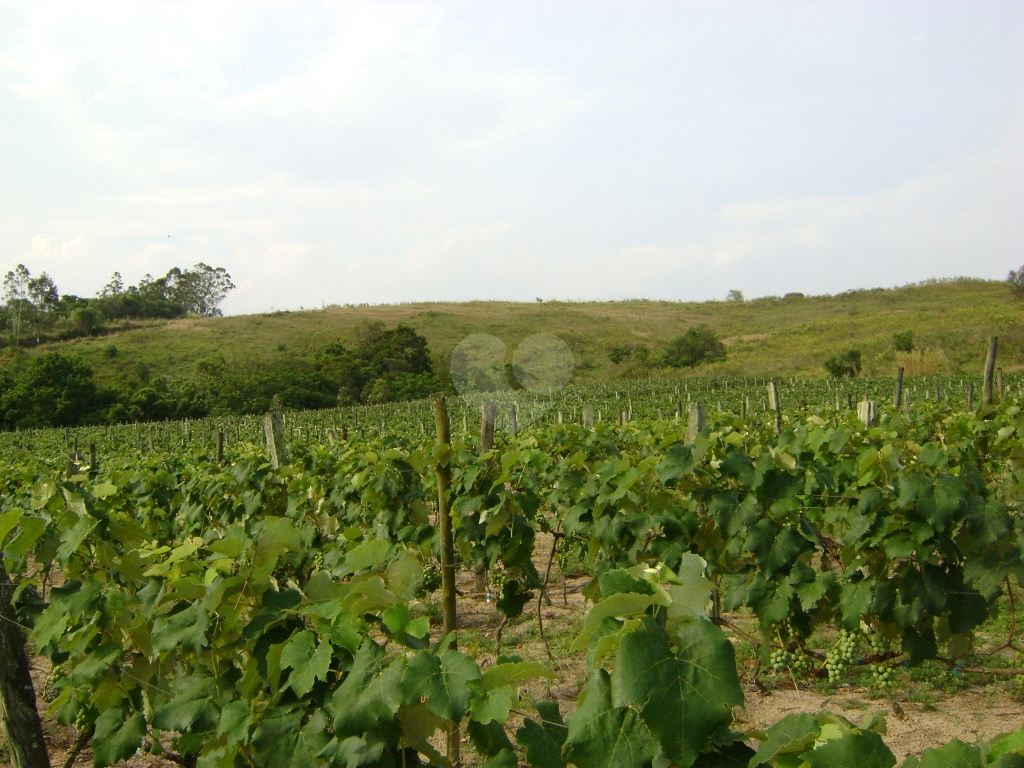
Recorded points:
(200,289)
(845,365)
(735,295)
(16,297)
(86,321)
(1016,282)
(44,297)
(52,391)
(698,345)
(114,288)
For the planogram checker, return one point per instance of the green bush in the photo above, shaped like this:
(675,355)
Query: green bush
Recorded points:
(903,342)
(844,365)
(698,345)
(620,353)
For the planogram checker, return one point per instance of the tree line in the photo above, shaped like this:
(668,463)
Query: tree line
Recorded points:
(35,311)
(383,365)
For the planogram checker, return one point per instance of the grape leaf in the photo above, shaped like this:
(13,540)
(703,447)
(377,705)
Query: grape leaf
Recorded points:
(601,735)
(685,696)
(543,741)
(854,749)
(116,738)
(443,682)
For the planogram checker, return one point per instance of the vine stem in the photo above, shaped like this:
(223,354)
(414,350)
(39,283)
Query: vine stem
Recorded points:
(543,591)
(82,739)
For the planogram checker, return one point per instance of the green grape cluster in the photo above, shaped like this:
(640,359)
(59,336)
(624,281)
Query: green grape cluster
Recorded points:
(56,673)
(82,719)
(563,557)
(498,579)
(879,644)
(780,660)
(884,676)
(797,662)
(842,653)
(318,561)
(431,578)
(801,663)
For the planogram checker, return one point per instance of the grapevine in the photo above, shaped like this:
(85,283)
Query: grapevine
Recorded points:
(193,569)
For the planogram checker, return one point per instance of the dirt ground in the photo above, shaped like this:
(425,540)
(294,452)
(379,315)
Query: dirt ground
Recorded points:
(969,715)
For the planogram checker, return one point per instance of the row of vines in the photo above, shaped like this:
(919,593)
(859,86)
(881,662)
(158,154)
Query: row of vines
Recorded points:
(231,614)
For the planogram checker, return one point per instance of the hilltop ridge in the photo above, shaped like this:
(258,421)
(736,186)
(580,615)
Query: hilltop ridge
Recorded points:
(787,336)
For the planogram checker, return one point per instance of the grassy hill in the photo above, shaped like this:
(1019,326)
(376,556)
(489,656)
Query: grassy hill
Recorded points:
(790,336)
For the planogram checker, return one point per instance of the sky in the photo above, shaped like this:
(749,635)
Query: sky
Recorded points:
(382,152)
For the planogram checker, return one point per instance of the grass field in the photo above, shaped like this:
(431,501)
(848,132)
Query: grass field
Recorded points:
(790,336)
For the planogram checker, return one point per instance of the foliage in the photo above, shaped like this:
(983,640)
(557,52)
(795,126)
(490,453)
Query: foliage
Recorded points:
(37,301)
(620,353)
(52,390)
(1015,281)
(698,345)
(846,364)
(903,341)
(199,290)
(16,298)
(236,613)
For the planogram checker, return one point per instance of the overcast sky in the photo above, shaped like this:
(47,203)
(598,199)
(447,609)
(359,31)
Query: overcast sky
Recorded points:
(348,152)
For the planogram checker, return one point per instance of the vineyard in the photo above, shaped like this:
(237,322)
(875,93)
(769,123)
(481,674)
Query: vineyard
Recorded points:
(219,607)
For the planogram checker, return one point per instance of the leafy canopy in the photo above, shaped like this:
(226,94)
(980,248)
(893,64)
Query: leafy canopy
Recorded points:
(698,345)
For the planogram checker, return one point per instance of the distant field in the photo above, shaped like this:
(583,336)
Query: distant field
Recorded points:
(951,322)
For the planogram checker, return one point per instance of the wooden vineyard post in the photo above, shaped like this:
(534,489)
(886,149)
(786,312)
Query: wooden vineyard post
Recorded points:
(990,367)
(868,413)
(1001,389)
(970,397)
(897,398)
(588,416)
(695,422)
(220,447)
(19,719)
(774,404)
(513,420)
(488,414)
(273,427)
(444,522)
(93,462)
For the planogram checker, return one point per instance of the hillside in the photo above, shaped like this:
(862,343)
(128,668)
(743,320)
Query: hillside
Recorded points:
(768,336)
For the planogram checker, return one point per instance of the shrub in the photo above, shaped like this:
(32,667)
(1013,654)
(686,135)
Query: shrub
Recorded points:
(698,345)
(846,364)
(903,342)
(86,321)
(618,354)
